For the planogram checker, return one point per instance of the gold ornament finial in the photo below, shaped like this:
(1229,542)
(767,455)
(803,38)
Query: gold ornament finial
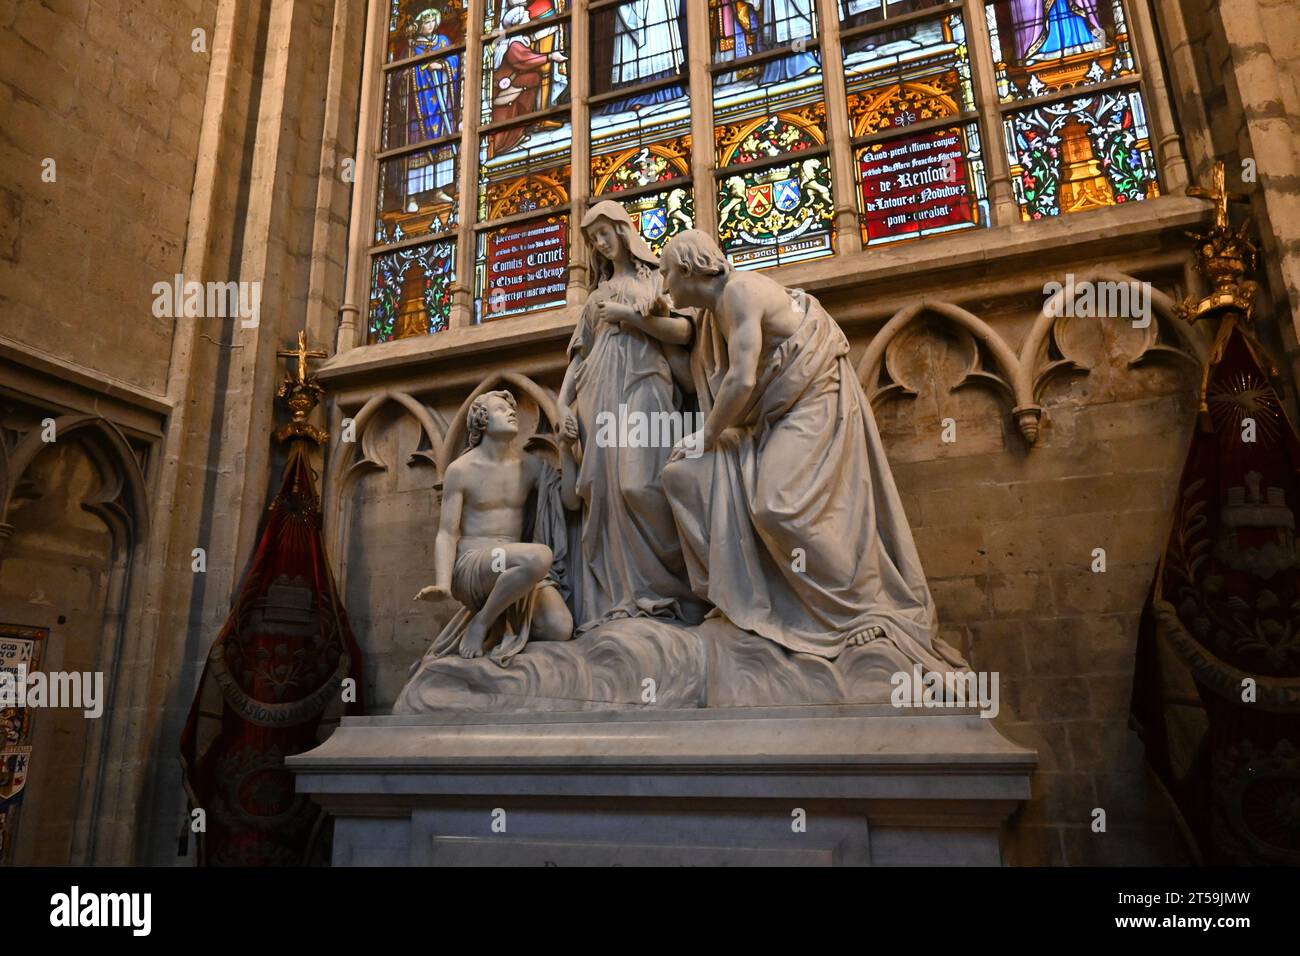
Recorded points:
(302,393)
(1223,256)
(302,353)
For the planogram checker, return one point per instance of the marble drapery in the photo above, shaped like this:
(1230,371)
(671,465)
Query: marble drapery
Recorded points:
(792,525)
(631,559)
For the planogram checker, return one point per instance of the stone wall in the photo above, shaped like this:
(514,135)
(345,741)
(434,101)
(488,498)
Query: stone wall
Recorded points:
(1240,65)
(1006,534)
(112,92)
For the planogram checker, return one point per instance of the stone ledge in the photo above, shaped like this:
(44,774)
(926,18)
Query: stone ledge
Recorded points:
(999,250)
(709,787)
(32,375)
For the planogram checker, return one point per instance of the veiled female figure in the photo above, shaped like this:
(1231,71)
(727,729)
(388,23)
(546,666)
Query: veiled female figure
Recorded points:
(620,356)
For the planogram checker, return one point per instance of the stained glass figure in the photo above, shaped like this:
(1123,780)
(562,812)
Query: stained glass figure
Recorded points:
(422,102)
(776,215)
(740,28)
(1079,154)
(920,185)
(524,72)
(521,267)
(658,216)
(636,43)
(916,72)
(503,15)
(756,119)
(418,194)
(417,27)
(1046,46)
(410,291)
(635,144)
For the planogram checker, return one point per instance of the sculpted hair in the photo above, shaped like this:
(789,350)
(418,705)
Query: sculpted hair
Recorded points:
(476,419)
(698,253)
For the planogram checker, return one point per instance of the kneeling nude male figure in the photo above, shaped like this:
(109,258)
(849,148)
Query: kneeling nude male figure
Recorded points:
(479,556)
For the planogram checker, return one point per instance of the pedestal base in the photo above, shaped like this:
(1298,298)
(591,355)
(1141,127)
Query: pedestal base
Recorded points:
(809,785)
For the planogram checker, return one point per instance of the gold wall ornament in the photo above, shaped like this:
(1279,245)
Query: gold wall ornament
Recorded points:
(302,393)
(1224,256)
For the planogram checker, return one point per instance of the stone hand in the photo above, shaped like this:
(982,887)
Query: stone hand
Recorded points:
(690,446)
(434,592)
(615,313)
(569,427)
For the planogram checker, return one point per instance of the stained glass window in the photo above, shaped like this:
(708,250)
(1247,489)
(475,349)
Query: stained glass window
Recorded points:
(636,144)
(777,214)
(508,15)
(908,75)
(1081,153)
(659,216)
(525,72)
(856,13)
(417,27)
(638,42)
(410,291)
(640,100)
(525,166)
(1047,46)
(524,169)
(423,102)
(521,267)
(915,76)
(922,184)
(417,196)
(769,110)
(485,174)
(741,29)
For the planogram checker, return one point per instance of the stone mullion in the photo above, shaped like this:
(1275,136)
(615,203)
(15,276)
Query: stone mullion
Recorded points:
(1167,145)
(997,168)
(352,328)
(462,290)
(701,91)
(848,232)
(580,154)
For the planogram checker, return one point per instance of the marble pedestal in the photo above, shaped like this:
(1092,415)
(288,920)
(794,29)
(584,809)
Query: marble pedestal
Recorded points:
(801,785)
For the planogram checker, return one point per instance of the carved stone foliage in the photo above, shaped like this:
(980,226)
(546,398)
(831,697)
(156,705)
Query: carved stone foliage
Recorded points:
(1049,351)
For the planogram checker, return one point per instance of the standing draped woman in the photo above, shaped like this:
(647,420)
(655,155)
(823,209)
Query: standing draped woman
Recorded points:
(620,355)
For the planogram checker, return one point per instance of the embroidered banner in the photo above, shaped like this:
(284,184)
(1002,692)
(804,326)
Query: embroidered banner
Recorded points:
(21,650)
(1217,690)
(273,686)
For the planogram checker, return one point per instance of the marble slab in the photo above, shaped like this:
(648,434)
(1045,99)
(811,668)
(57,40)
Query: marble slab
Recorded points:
(803,785)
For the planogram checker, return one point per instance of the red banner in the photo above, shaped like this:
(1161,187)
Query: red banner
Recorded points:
(283,671)
(1216,695)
